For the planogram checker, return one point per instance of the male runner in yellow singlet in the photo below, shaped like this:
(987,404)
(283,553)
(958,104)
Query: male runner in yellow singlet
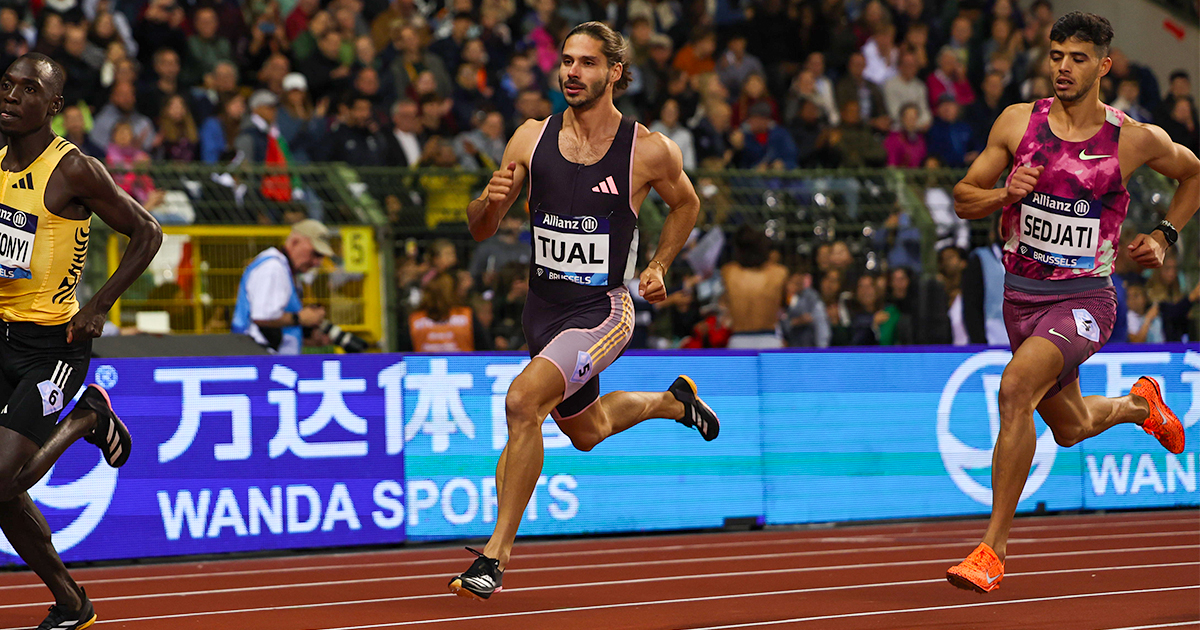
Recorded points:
(48,192)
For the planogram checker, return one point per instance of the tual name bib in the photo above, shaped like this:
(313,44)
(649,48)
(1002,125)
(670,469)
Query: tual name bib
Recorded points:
(1060,232)
(17,231)
(574,249)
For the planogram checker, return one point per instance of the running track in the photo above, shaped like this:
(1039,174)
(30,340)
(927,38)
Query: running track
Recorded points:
(1125,571)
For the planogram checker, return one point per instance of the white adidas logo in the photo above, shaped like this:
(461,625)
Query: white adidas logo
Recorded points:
(608,186)
(481,582)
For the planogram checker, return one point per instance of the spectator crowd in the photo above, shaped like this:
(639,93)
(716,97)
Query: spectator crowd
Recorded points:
(746,84)
(749,293)
(736,83)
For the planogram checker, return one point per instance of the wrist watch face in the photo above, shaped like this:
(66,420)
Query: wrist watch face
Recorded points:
(1169,232)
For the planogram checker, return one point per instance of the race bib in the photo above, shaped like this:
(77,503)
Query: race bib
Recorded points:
(52,397)
(17,230)
(574,249)
(1086,325)
(1059,231)
(583,368)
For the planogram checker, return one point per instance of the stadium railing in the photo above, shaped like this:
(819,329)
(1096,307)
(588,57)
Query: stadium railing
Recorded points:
(229,214)
(195,278)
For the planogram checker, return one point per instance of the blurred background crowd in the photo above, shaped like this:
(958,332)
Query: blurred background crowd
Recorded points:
(765,86)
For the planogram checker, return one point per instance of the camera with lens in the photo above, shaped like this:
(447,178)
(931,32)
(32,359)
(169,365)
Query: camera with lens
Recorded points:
(345,340)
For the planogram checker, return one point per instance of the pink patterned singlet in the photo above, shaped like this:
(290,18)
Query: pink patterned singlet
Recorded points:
(1070,225)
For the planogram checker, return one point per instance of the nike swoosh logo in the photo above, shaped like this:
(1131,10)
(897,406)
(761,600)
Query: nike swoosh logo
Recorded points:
(1064,337)
(1084,156)
(993,578)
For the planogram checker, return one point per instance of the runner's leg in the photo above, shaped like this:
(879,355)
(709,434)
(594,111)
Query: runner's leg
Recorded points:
(500,471)
(1033,370)
(76,425)
(29,534)
(536,391)
(616,411)
(1074,418)
(15,452)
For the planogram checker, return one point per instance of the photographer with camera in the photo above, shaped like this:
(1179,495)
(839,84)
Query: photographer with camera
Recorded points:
(268,301)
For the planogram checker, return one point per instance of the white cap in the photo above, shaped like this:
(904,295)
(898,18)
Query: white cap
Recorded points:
(316,232)
(262,98)
(294,81)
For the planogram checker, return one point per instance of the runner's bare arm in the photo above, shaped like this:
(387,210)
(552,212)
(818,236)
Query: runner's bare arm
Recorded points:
(667,177)
(485,212)
(976,196)
(90,184)
(1176,161)
(665,162)
(1179,163)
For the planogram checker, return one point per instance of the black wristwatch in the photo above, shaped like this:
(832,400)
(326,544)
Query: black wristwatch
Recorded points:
(1169,232)
(295,319)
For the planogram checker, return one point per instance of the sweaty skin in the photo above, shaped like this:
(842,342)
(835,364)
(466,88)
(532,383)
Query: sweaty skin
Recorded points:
(1076,115)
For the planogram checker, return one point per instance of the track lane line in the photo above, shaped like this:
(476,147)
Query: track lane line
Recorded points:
(618,605)
(189,569)
(1160,625)
(897,611)
(794,591)
(689,576)
(807,553)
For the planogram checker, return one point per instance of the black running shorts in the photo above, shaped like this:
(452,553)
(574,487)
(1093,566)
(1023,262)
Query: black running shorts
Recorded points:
(39,374)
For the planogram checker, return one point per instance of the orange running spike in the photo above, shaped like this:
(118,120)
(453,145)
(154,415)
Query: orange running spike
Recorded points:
(980,572)
(1162,423)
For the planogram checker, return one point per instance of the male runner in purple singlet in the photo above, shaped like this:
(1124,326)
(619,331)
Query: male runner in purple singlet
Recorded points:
(589,169)
(1063,206)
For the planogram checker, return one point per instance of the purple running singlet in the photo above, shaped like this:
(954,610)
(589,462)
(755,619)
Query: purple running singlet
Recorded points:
(578,314)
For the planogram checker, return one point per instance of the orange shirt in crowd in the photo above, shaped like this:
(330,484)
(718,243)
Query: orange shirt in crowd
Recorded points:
(688,63)
(456,334)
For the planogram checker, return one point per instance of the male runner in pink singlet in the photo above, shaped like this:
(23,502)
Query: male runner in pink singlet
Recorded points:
(1063,207)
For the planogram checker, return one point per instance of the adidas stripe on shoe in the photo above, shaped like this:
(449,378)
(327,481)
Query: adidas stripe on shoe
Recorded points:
(62,619)
(110,434)
(696,413)
(481,580)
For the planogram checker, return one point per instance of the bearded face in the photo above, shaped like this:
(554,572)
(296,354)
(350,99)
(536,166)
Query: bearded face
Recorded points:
(585,74)
(1075,67)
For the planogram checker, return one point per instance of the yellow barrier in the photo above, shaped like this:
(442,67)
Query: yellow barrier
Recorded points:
(196,274)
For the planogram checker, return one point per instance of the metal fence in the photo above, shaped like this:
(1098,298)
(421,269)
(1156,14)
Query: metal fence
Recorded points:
(255,194)
(867,208)
(195,276)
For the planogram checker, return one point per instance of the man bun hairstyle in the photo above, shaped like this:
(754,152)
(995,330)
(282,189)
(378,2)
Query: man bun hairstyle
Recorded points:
(612,45)
(1086,27)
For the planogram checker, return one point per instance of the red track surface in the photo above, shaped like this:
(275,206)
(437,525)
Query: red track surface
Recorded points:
(1136,570)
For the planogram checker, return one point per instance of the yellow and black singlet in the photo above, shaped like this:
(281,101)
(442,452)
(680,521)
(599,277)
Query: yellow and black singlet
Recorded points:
(41,253)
